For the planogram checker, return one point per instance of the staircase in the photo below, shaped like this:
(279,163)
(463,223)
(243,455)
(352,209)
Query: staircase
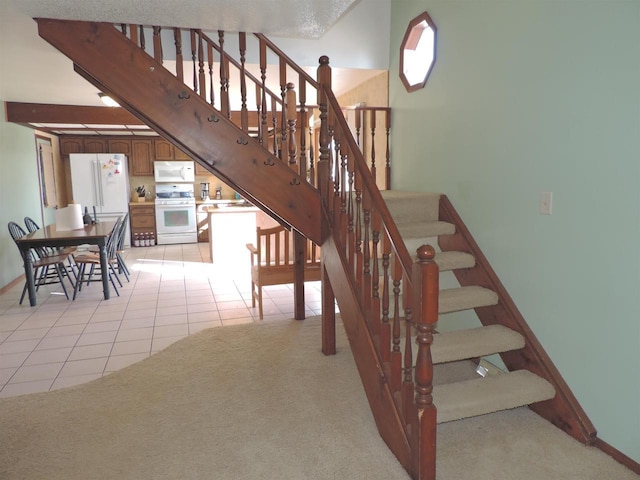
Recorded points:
(389,300)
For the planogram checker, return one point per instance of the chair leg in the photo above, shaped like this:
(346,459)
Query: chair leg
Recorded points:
(78,286)
(260,302)
(59,269)
(115,274)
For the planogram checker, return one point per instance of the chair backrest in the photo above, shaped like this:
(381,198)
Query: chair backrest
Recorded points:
(31,225)
(112,240)
(122,231)
(16,231)
(275,247)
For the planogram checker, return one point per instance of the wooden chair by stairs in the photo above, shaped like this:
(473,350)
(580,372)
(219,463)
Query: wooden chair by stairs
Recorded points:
(273,259)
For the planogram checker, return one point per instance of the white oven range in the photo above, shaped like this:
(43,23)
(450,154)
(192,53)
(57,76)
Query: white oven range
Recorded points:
(175,214)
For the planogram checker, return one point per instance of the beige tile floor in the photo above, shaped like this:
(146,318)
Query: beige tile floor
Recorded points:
(174,292)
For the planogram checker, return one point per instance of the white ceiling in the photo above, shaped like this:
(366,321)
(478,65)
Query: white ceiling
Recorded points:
(33,71)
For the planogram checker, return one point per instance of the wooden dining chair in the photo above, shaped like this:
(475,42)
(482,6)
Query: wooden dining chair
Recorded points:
(71,268)
(93,260)
(42,264)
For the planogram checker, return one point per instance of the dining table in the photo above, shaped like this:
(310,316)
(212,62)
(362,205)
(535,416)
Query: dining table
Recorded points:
(50,237)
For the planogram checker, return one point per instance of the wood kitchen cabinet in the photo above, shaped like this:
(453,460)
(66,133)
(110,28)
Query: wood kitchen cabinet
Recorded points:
(141,162)
(94,145)
(70,145)
(143,220)
(119,145)
(163,149)
(200,170)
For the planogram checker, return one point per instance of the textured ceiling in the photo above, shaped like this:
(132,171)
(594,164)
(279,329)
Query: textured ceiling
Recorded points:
(287,18)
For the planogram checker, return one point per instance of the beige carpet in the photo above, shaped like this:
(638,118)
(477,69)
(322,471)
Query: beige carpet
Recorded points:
(258,402)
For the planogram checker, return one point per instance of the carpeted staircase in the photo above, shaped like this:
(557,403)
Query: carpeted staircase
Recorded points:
(417,218)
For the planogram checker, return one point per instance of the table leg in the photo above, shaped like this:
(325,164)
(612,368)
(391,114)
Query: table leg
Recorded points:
(104,266)
(28,273)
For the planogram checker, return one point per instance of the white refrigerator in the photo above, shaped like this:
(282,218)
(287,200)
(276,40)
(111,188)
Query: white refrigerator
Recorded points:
(101,181)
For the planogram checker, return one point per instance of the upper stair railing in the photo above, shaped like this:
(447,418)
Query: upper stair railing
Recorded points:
(396,298)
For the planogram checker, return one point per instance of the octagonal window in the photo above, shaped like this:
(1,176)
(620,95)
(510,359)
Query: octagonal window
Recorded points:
(418,52)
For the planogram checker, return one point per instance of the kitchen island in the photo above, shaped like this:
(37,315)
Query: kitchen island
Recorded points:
(231,226)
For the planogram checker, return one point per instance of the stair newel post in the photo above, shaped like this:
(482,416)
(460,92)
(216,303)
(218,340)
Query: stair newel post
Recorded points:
(177,39)
(292,114)
(263,92)
(396,354)
(194,60)
(324,79)
(385,327)
(201,75)
(426,278)
(244,114)
(224,77)
(372,129)
(387,169)
(157,45)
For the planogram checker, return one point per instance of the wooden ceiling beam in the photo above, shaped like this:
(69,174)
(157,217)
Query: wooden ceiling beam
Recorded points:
(25,113)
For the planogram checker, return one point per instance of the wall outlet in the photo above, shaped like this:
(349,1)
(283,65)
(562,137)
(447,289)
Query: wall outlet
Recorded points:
(546,203)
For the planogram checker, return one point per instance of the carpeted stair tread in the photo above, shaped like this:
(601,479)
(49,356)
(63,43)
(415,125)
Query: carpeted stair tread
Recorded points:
(412,206)
(464,298)
(425,229)
(493,393)
(453,260)
(474,342)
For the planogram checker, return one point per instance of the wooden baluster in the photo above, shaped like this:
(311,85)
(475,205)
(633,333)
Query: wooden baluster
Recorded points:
(274,124)
(373,143)
(385,328)
(375,276)
(291,106)
(201,74)
(259,111)
(157,45)
(387,173)
(351,214)
(283,93)
(424,443)
(358,113)
(244,114)
(302,101)
(366,252)
(133,29)
(123,29)
(211,61)
(312,159)
(143,45)
(396,356)
(263,99)
(408,405)
(224,77)
(177,38)
(193,60)
(358,225)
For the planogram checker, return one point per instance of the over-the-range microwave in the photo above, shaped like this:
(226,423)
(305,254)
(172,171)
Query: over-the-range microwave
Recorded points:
(176,171)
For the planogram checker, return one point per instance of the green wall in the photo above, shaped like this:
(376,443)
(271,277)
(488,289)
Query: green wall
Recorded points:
(529,96)
(19,191)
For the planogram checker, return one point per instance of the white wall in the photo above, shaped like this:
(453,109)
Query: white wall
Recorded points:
(531,96)
(19,192)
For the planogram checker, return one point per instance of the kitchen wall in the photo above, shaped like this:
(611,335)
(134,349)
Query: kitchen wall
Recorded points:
(527,97)
(19,192)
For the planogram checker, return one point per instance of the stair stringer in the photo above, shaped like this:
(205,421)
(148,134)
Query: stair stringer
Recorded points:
(563,410)
(117,66)
(367,361)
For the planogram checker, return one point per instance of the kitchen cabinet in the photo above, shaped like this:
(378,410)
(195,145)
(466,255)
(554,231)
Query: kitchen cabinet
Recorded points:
(141,162)
(200,170)
(143,220)
(180,155)
(163,149)
(71,145)
(119,145)
(94,145)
